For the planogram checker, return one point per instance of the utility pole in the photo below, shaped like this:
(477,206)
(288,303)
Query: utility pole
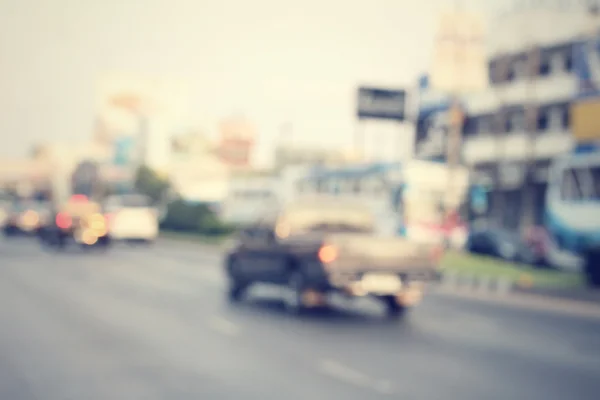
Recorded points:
(456,120)
(530,127)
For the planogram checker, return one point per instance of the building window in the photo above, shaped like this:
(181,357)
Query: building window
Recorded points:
(555,118)
(544,66)
(516,122)
(566,117)
(470,126)
(484,124)
(510,75)
(499,122)
(569,61)
(543,120)
(557,63)
(520,69)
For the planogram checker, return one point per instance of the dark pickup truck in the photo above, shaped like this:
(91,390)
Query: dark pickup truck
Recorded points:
(314,248)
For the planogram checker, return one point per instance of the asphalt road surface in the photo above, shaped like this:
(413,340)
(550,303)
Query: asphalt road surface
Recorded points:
(153,323)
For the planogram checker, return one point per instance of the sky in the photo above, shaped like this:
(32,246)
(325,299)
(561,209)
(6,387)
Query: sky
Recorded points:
(274,61)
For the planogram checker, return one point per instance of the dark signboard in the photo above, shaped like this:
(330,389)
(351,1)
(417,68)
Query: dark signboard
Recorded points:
(387,104)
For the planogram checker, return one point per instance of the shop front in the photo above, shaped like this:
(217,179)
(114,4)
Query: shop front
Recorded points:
(509,193)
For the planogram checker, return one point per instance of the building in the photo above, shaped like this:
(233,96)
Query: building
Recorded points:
(286,156)
(196,171)
(249,194)
(513,130)
(237,138)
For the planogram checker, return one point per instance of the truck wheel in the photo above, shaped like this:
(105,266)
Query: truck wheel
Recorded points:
(293,292)
(59,241)
(236,288)
(393,308)
(236,291)
(104,243)
(592,268)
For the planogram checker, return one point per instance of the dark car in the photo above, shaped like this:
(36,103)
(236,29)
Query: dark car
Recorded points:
(25,217)
(315,248)
(500,243)
(80,220)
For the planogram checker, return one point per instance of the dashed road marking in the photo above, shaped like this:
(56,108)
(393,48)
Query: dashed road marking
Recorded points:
(346,374)
(224,326)
(343,373)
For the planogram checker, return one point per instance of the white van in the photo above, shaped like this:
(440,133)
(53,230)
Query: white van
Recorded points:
(132,217)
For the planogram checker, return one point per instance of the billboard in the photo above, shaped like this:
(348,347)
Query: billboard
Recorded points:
(459,62)
(376,103)
(585,109)
(125,148)
(432,131)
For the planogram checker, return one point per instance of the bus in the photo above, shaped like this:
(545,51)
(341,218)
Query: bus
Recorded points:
(572,217)
(421,200)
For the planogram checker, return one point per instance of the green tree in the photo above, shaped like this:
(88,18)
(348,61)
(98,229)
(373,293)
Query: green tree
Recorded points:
(151,184)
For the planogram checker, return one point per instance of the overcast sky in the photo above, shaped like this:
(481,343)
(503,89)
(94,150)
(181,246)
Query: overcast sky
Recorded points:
(272,60)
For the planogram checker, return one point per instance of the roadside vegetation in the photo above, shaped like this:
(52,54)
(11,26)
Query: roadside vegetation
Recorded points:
(523,275)
(181,219)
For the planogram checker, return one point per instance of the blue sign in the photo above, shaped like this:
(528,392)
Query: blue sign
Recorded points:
(124,150)
(587,148)
(479,199)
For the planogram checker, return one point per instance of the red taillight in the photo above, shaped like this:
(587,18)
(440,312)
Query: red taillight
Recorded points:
(63,220)
(79,198)
(327,254)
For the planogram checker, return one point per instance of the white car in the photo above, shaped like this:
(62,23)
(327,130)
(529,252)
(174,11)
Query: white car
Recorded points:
(131,217)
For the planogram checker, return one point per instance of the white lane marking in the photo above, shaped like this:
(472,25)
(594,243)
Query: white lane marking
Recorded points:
(339,371)
(224,326)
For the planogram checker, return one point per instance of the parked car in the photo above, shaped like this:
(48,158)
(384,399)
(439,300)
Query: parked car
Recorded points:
(500,243)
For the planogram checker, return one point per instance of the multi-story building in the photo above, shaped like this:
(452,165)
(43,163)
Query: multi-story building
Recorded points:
(249,193)
(514,129)
(237,139)
(286,156)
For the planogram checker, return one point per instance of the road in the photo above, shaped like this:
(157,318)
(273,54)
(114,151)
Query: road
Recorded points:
(152,323)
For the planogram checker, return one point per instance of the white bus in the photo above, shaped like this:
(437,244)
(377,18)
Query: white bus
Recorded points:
(413,199)
(573,212)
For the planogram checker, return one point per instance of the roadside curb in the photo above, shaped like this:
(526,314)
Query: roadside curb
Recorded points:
(494,286)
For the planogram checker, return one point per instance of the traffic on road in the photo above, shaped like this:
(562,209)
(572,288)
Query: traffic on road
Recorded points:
(155,323)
